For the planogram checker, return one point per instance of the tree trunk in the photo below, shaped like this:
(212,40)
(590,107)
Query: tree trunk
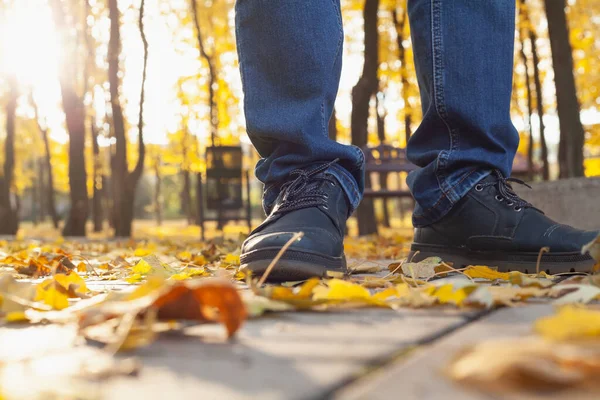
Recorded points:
(187,207)
(158,193)
(8,213)
(41,172)
(572,134)
(212,90)
(74,108)
(212,75)
(383,176)
(361,96)
(97,199)
(186,197)
(524,21)
(125,182)
(539,103)
(46,174)
(400,24)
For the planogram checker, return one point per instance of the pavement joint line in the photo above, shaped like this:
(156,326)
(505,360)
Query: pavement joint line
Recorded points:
(377,364)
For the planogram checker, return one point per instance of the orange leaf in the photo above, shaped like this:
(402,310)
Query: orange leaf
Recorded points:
(197,301)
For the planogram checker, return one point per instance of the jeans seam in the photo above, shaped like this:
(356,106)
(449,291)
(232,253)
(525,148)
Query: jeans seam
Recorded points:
(444,196)
(433,207)
(325,123)
(347,180)
(439,95)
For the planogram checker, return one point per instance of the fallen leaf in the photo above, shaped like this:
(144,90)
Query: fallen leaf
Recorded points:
(259,305)
(198,300)
(425,269)
(578,294)
(451,290)
(525,364)
(570,322)
(340,291)
(53,294)
(483,272)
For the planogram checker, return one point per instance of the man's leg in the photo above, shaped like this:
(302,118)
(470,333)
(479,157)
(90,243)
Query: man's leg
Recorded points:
(466,210)
(290,55)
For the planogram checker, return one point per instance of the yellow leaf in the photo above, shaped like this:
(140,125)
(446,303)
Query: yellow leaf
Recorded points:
(184,256)
(72,282)
(448,294)
(134,278)
(483,272)
(386,294)
(231,259)
(142,267)
(81,267)
(142,252)
(15,316)
(152,284)
(188,273)
(570,322)
(341,290)
(53,295)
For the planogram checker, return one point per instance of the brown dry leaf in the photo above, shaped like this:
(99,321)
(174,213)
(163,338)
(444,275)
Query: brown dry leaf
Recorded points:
(33,269)
(425,269)
(15,297)
(541,281)
(508,295)
(575,294)
(526,364)
(366,267)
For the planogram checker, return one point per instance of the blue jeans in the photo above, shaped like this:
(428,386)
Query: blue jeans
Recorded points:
(290,54)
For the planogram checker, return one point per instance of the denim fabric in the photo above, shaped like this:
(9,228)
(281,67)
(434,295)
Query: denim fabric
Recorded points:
(290,54)
(463,52)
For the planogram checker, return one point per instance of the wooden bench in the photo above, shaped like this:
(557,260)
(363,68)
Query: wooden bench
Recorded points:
(383,160)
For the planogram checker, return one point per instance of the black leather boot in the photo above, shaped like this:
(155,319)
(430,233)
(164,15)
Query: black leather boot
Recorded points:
(493,226)
(312,202)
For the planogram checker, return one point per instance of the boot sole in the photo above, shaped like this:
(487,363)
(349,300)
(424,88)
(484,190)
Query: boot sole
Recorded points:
(551,263)
(292,266)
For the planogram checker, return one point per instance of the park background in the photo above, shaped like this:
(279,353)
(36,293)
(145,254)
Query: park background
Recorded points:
(107,107)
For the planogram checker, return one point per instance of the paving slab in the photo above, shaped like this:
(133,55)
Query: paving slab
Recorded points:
(283,356)
(419,374)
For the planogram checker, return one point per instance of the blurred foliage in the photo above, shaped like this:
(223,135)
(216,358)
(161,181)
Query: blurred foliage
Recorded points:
(177,104)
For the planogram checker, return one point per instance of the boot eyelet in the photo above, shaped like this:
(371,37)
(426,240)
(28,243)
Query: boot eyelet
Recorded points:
(499,198)
(479,188)
(325,207)
(518,209)
(510,204)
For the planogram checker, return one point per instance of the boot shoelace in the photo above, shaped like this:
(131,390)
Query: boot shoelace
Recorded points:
(302,191)
(506,191)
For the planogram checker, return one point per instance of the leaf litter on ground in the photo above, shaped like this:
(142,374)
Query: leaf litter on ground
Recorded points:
(561,354)
(177,281)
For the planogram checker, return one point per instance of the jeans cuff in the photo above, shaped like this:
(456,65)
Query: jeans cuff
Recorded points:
(348,184)
(444,201)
